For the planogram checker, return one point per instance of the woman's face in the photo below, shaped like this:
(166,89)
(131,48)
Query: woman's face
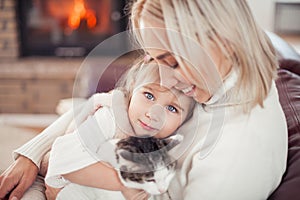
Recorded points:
(171,74)
(157,111)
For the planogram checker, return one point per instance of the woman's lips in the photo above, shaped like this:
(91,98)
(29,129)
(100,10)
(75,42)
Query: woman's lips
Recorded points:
(189,91)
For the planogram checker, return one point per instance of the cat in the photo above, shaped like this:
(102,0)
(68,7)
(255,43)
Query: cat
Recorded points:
(144,162)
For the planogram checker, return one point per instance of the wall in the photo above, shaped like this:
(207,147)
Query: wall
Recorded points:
(35,85)
(9,46)
(264,12)
(30,85)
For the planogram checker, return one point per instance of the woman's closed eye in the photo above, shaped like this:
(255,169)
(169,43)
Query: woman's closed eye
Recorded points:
(168,59)
(170,63)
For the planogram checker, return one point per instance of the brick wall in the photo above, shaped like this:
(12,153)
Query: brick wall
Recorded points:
(9,45)
(30,85)
(35,85)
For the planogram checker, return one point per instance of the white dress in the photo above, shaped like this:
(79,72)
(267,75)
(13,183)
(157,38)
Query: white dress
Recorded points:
(89,143)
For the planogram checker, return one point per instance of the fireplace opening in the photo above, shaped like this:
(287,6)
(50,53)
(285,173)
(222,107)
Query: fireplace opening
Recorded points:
(69,28)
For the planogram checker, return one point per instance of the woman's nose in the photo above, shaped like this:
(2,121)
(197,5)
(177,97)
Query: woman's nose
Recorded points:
(167,76)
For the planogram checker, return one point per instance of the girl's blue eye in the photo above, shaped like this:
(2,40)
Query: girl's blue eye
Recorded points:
(149,96)
(172,109)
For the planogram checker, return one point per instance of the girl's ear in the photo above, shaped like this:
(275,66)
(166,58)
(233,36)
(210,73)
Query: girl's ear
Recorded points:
(173,141)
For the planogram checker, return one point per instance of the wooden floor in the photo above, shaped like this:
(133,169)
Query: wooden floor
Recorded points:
(11,138)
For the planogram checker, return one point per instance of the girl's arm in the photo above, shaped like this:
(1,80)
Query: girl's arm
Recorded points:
(37,147)
(101,175)
(98,175)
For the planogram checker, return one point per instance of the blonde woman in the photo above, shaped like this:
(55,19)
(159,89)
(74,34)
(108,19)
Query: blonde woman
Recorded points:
(214,51)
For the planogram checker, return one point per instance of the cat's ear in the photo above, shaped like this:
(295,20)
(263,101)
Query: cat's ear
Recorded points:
(125,154)
(133,157)
(173,141)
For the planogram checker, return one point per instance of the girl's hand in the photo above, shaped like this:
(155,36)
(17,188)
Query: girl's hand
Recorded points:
(51,193)
(134,194)
(44,164)
(18,178)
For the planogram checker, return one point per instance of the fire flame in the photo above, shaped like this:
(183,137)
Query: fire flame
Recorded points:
(79,13)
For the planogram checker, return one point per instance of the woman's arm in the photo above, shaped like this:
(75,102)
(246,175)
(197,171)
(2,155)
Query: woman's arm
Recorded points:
(41,144)
(37,147)
(22,173)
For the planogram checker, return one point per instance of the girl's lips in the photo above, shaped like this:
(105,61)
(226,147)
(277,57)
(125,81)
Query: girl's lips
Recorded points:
(146,127)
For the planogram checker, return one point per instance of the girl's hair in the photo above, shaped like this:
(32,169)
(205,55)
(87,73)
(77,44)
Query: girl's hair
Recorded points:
(139,74)
(226,25)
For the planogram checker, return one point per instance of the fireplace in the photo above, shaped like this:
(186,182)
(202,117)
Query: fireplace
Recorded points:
(68,28)
(33,33)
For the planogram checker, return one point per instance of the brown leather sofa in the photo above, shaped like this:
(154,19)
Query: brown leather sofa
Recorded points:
(288,84)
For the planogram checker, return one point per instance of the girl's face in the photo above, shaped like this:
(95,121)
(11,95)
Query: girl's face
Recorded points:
(157,111)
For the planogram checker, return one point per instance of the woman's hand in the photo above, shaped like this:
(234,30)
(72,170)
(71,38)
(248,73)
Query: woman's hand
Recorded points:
(18,178)
(134,194)
(51,193)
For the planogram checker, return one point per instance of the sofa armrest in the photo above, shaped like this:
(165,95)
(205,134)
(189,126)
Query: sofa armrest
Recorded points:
(283,49)
(288,85)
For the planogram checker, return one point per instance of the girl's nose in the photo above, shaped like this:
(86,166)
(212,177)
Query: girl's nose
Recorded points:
(156,113)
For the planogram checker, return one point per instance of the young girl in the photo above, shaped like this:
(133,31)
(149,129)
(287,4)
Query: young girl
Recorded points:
(152,111)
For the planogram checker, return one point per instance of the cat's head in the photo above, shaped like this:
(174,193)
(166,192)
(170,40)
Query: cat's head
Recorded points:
(144,163)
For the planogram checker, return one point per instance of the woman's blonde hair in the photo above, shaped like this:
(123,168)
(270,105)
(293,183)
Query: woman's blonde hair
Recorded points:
(227,25)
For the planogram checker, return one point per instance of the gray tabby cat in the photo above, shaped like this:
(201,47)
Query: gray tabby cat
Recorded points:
(144,162)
